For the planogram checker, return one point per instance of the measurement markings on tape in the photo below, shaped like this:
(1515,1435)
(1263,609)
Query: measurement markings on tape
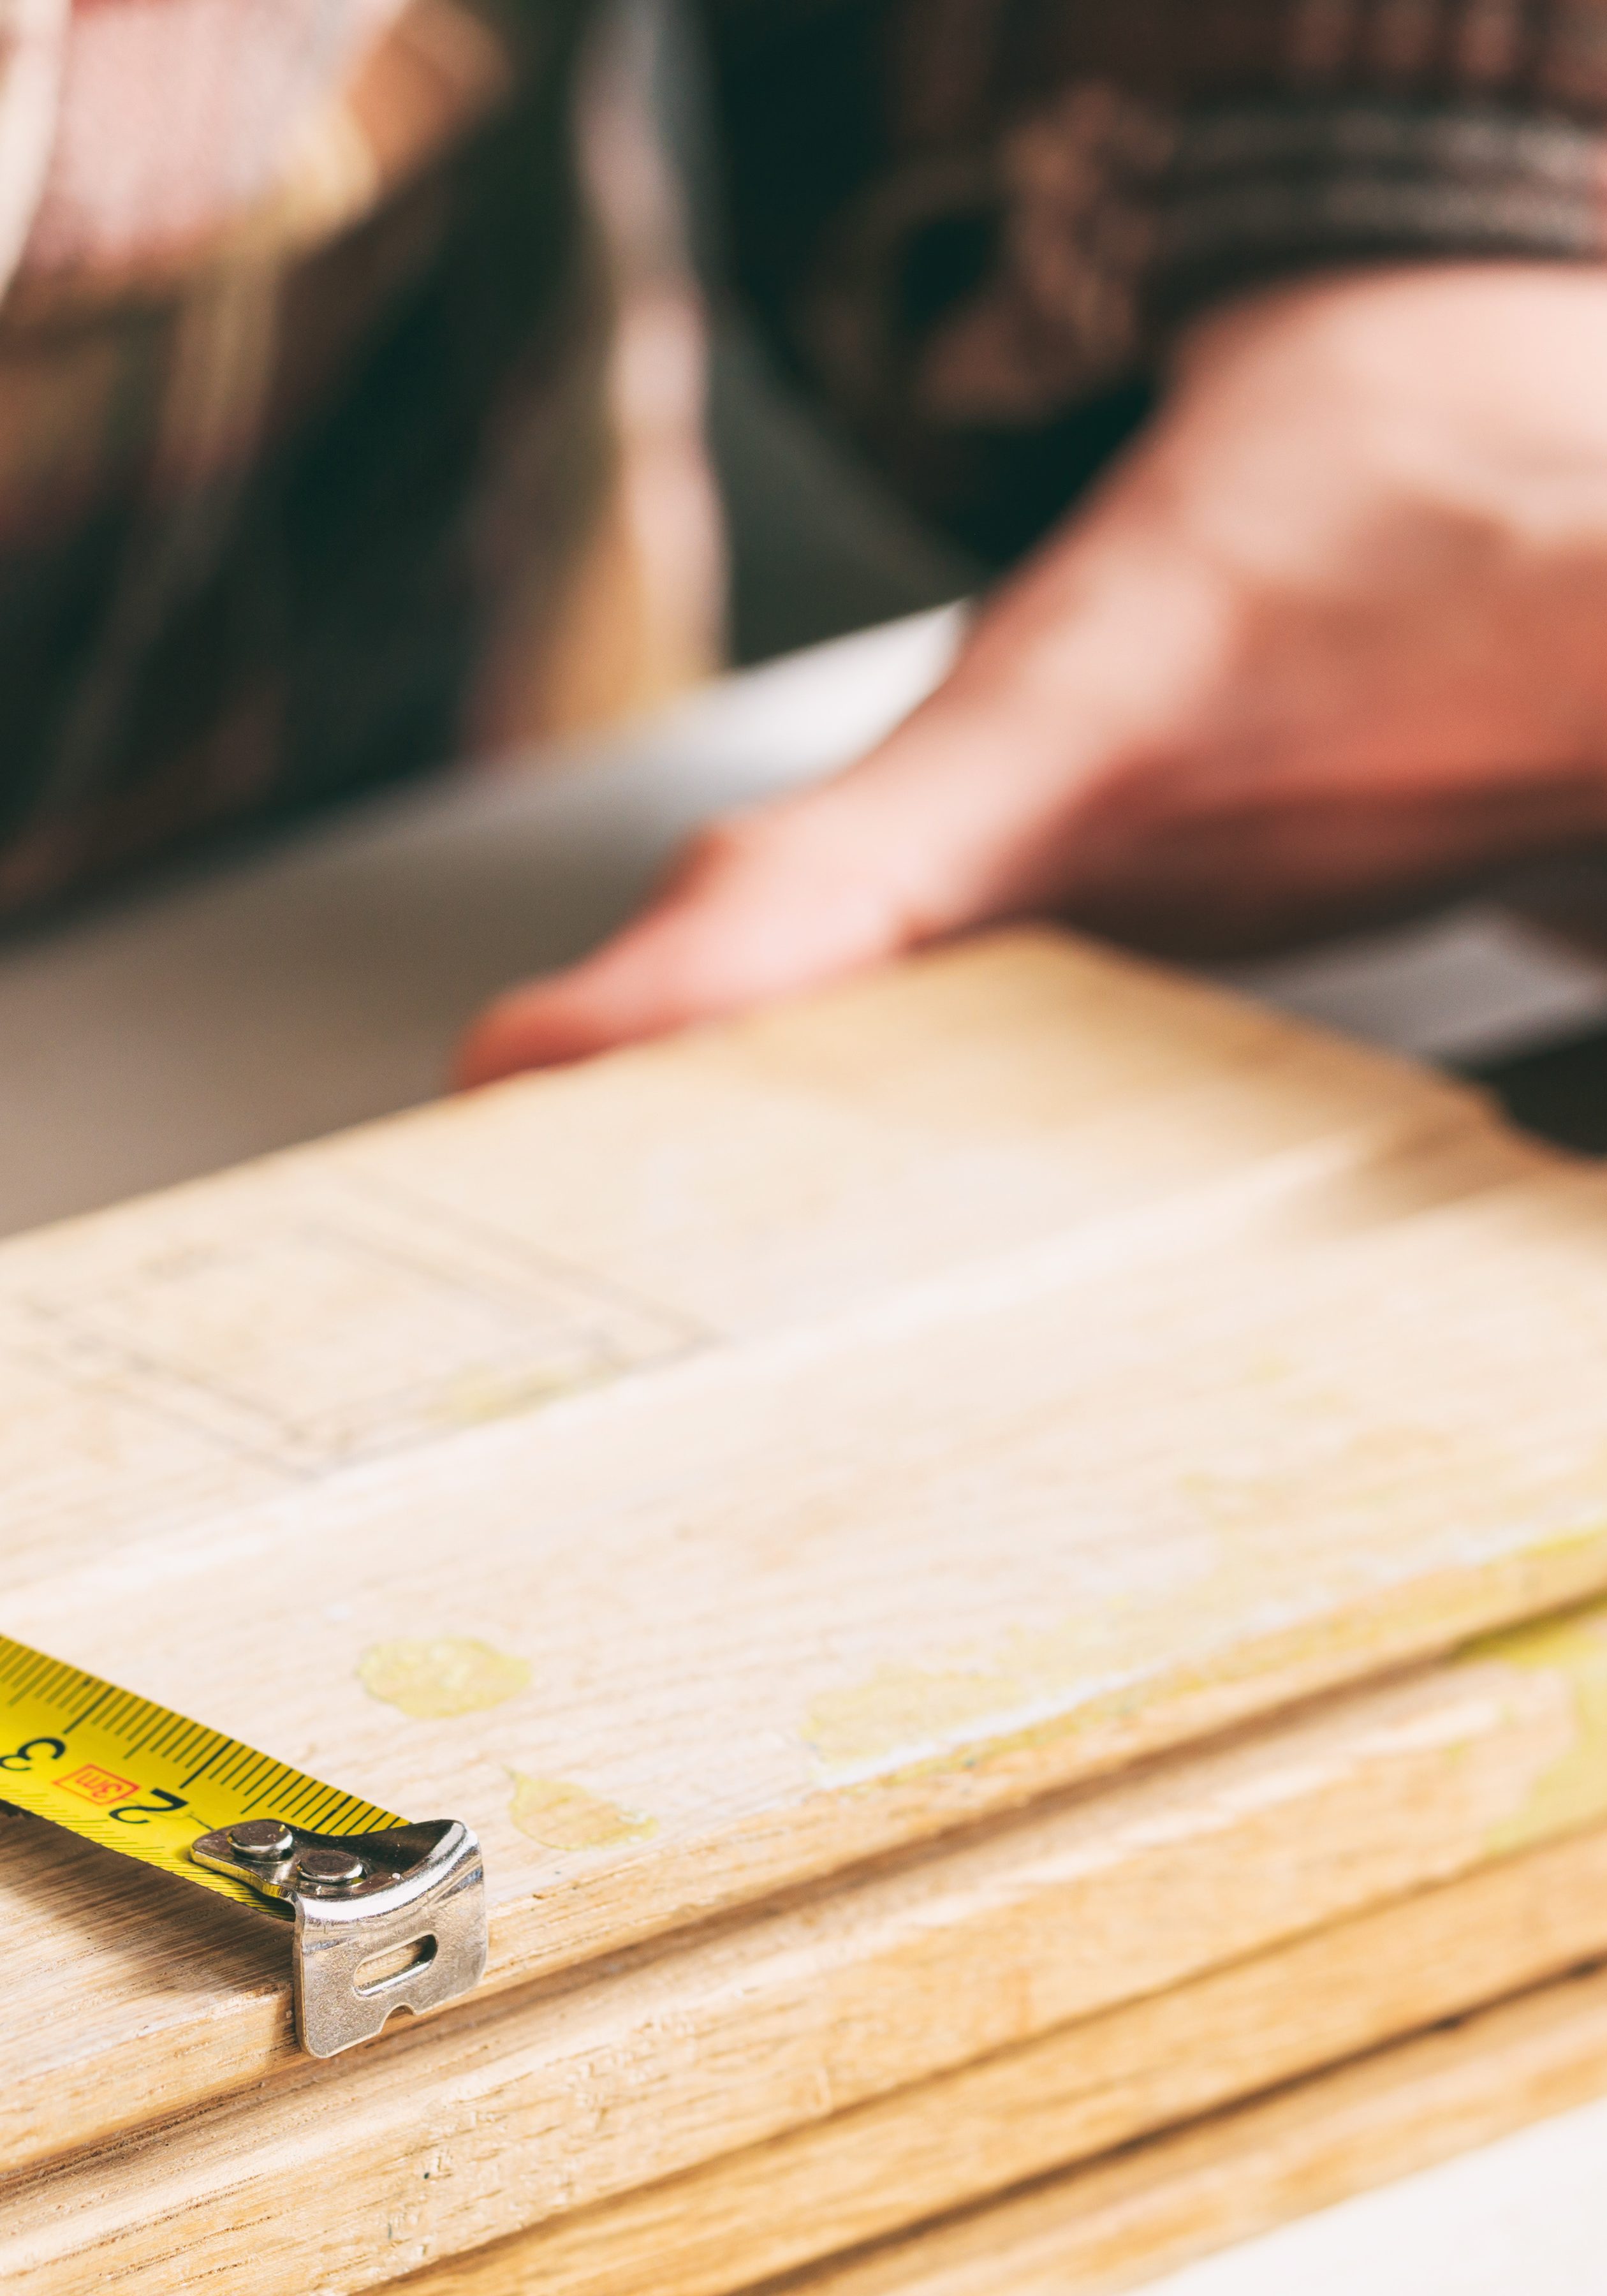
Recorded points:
(387,1915)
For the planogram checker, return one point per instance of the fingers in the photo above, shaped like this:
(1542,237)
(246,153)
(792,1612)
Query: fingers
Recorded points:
(772,904)
(755,909)
(1267,671)
(967,813)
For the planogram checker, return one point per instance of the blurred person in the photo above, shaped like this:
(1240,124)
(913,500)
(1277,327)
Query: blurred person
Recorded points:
(1261,344)
(1265,341)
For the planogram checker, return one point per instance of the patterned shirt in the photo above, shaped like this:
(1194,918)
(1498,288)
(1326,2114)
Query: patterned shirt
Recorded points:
(300,334)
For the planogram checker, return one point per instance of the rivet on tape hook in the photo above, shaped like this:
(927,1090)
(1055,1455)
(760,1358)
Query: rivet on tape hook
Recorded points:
(384,1921)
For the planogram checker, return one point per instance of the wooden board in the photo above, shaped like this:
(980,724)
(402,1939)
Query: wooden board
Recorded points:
(768,1484)
(1090,2089)
(1081,1949)
(1121,2223)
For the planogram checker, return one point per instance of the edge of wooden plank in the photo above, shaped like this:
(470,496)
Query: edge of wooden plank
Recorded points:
(1124,2222)
(1359,1798)
(466,2130)
(963,2147)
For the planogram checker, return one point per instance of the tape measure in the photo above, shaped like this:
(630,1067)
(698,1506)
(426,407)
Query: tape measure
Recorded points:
(387,1915)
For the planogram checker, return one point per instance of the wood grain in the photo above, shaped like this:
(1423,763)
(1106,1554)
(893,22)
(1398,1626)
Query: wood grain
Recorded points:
(776,1486)
(815,2004)
(438,2138)
(1077,2092)
(1122,2223)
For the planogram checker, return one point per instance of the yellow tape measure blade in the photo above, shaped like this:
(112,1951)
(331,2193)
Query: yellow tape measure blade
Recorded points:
(123,1772)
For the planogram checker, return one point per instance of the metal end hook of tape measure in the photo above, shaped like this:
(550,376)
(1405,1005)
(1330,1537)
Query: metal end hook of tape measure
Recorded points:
(384,1921)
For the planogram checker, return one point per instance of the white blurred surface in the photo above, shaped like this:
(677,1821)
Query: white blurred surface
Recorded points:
(327,982)
(1473,984)
(1525,2217)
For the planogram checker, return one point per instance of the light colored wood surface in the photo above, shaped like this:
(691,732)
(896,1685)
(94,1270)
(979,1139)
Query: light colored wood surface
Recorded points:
(1057,1913)
(1080,2090)
(1119,2224)
(836,2014)
(791,1447)
(522,2117)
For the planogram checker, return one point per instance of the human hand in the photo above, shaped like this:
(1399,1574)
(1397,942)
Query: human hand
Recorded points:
(1333,635)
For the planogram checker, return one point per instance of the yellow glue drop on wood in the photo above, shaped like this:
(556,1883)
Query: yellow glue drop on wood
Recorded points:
(564,1816)
(449,1675)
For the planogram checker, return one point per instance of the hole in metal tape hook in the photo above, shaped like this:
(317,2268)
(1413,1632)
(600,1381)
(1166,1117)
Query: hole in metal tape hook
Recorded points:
(381,1971)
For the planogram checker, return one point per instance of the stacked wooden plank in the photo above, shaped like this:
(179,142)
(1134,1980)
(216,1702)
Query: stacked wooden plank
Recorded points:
(1004,1562)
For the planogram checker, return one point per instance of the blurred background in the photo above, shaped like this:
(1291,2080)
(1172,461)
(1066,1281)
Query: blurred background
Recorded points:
(315,974)
(739,528)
